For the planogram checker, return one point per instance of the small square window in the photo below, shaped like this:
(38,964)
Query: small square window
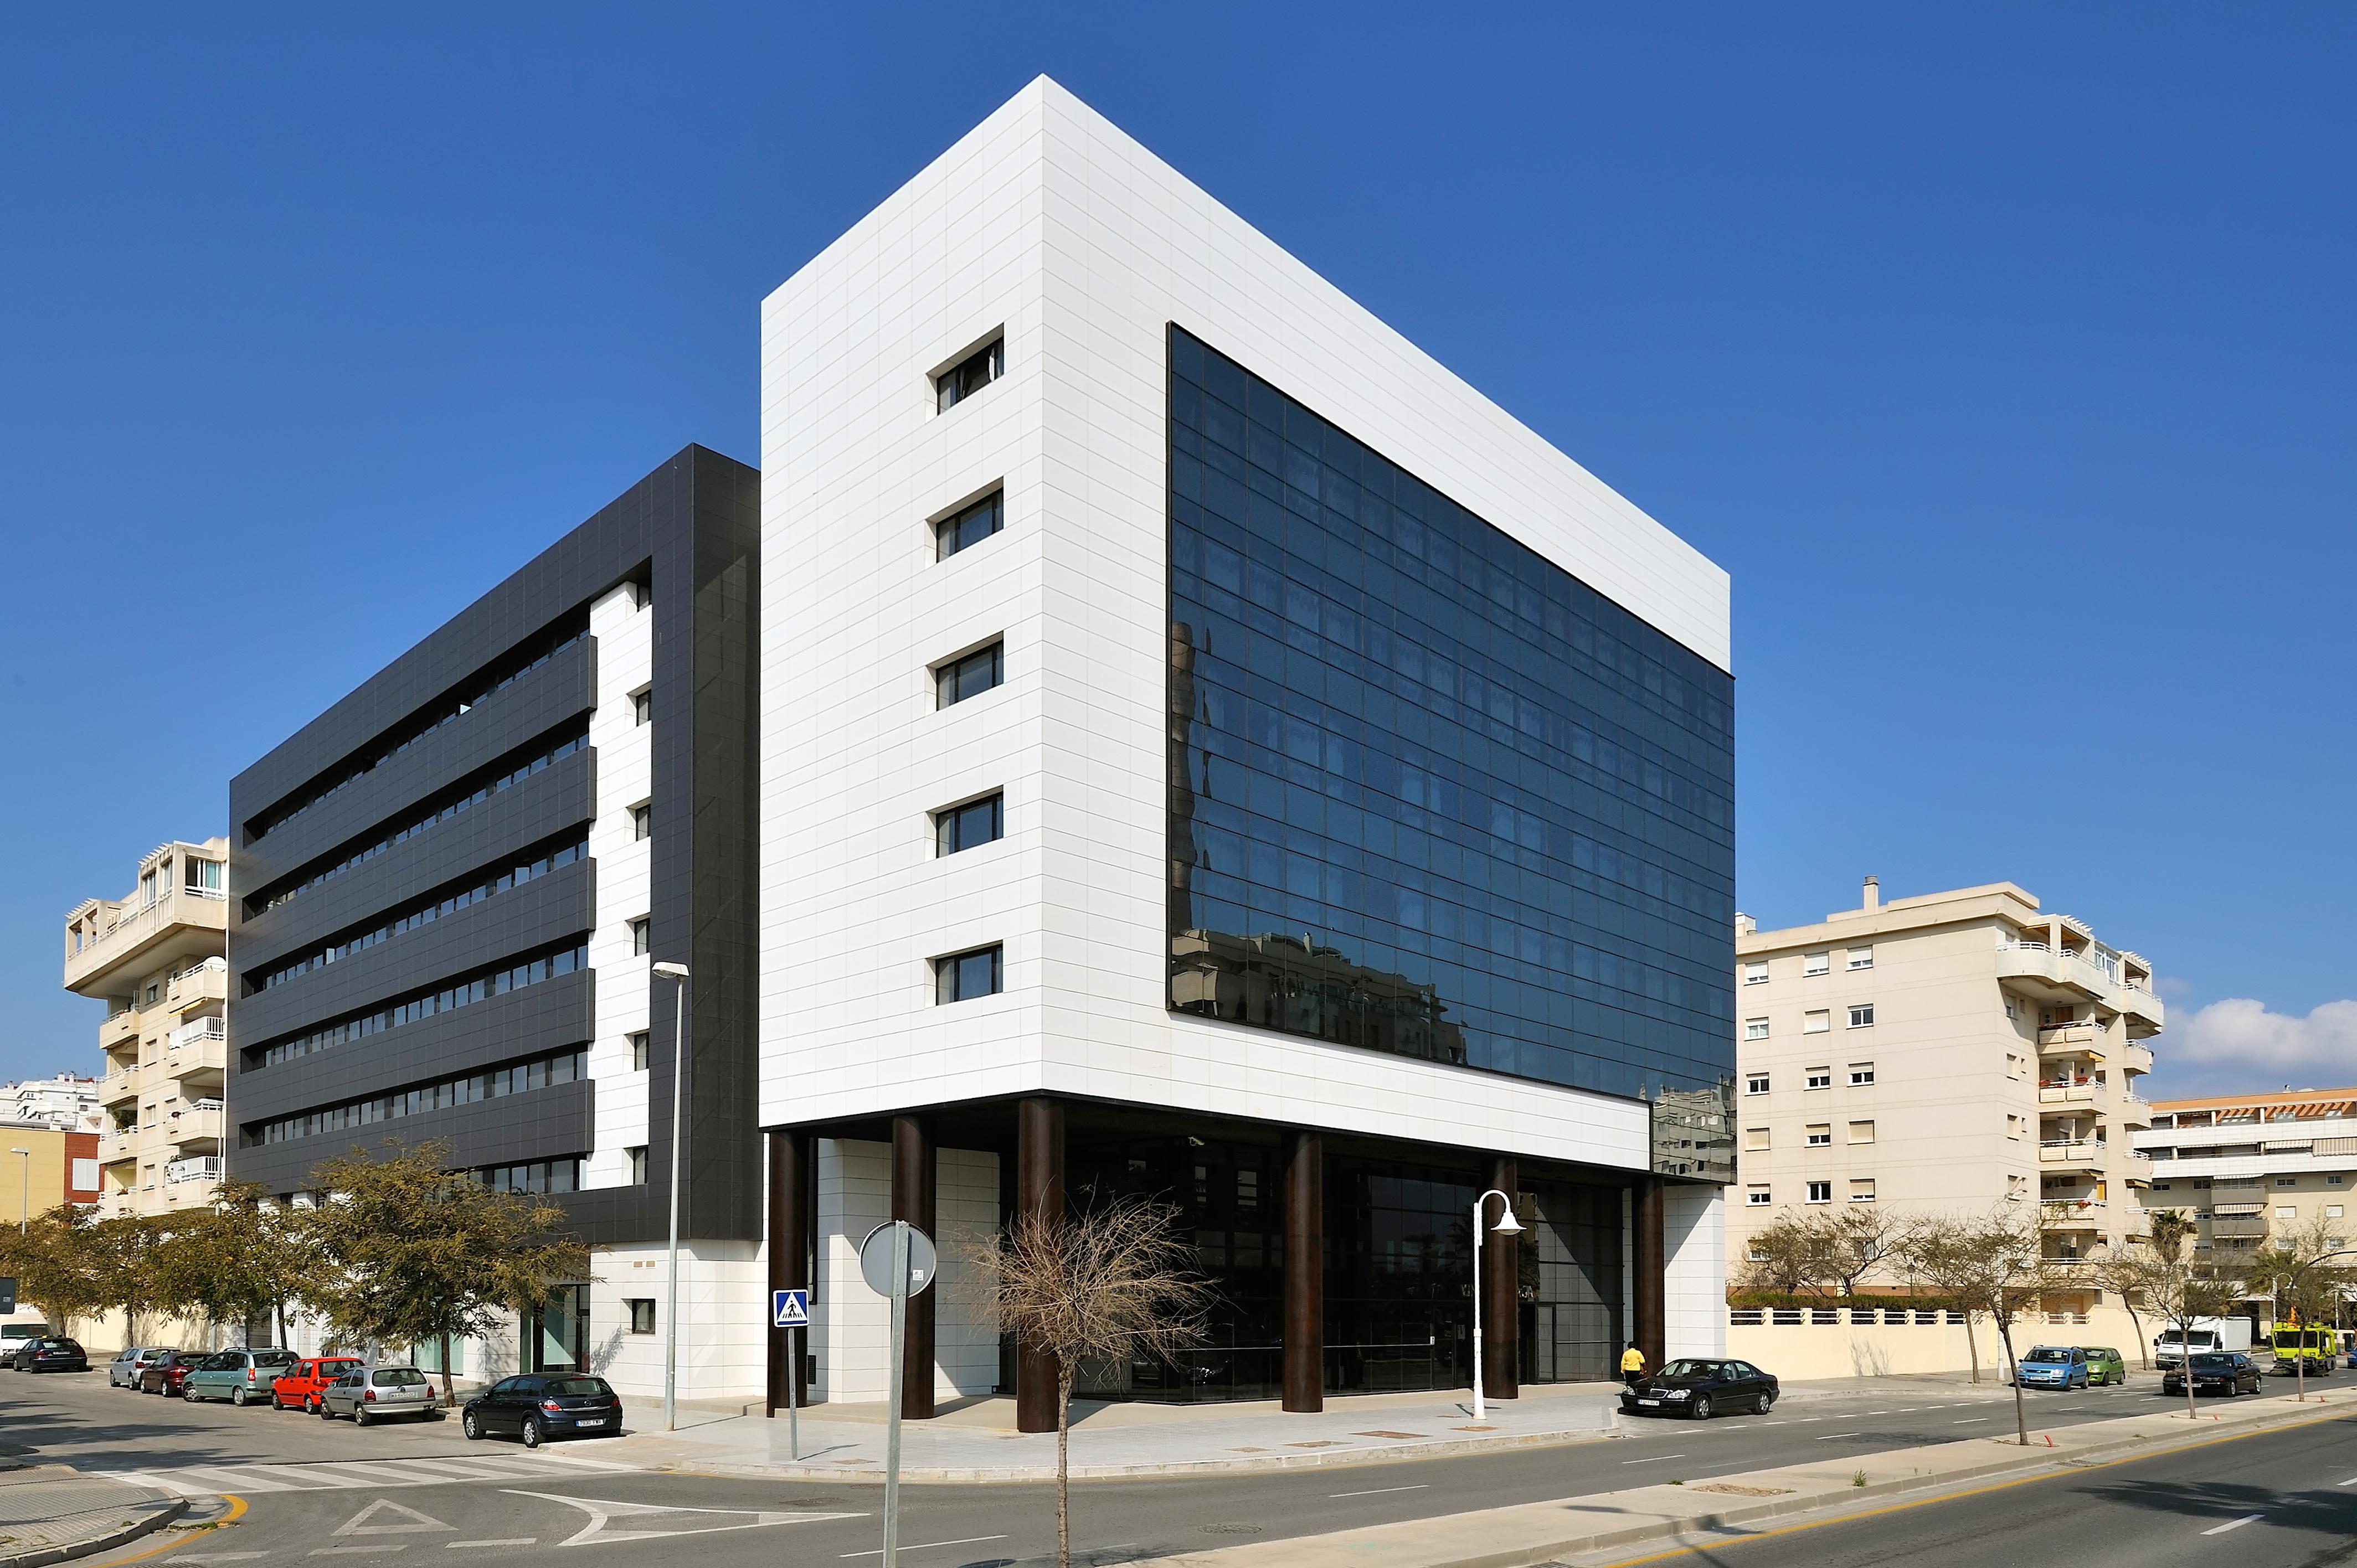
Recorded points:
(1821,1134)
(1819,1078)
(970,375)
(970,525)
(961,977)
(2286,1181)
(1817,964)
(1817,1022)
(641,935)
(638,1039)
(643,705)
(1861,1190)
(2331,1211)
(1755,1083)
(1861,958)
(1753,1197)
(1861,1131)
(643,1314)
(1756,972)
(1862,1017)
(971,676)
(1821,1192)
(965,827)
(1755,1137)
(2285,1212)
(642,820)
(637,1158)
(1754,1028)
(1861,1074)
(2334,1179)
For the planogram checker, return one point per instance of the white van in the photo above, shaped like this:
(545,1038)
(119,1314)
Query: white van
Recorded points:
(2170,1346)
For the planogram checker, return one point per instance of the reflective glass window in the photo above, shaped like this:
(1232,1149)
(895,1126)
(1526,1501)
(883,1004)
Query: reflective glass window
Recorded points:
(961,977)
(971,676)
(970,525)
(964,827)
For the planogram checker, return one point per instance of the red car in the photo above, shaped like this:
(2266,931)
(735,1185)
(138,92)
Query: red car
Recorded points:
(168,1369)
(298,1387)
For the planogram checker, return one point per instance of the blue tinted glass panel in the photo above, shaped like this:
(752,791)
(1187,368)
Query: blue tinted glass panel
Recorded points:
(1431,794)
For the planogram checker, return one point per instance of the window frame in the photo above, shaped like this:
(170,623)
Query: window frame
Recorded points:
(943,818)
(1754,1028)
(1756,1083)
(642,821)
(1861,1075)
(1755,971)
(1861,1014)
(637,1308)
(949,381)
(1817,1135)
(945,967)
(944,524)
(1758,1196)
(1817,963)
(942,672)
(1817,1077)
(642,1047)
(642,706)
(643,935)
(1855,960)
(1819,1192)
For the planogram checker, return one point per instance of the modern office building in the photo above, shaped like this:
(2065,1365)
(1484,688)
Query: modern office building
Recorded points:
(1943,1053)
(1210,752)
(449,888)
(2249,1167)
(155,958)
(68,1103)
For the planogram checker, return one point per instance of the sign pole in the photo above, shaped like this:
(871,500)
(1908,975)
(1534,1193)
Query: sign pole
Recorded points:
(793,1400)
(899,1373)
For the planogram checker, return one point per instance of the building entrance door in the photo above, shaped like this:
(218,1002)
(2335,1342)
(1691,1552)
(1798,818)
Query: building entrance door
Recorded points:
(557,1334)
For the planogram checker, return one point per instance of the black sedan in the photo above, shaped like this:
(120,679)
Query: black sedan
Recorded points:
(2228,1372)
(544,1405)
(1700,1389)
(52,1355)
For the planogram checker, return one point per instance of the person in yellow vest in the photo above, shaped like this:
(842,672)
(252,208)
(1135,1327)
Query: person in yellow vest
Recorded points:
(1632,1364)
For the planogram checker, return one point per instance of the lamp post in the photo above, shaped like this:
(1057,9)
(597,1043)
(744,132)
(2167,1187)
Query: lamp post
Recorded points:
(677,974)
(25,1194)
(1507,1226)
(2291,1292)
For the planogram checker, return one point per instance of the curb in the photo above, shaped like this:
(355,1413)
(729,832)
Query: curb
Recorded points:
(164,1515)
(1046,1475)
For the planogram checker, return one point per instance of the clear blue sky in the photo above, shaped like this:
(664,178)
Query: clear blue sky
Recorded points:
(2001,353)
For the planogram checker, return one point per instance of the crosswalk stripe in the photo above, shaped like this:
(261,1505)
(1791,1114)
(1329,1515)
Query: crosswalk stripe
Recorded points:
(193,1480)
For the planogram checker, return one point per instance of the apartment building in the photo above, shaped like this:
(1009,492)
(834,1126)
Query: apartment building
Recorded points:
(2249,1166)
(155,957)
(1943,1053)
(42,1166)
(68,1103)
(1210,752)
(449,891)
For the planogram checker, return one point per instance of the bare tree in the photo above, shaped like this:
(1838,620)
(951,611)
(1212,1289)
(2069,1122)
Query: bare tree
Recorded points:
(2129,1272)
(1112,1281)
(1995,1267)
(2303,1291)
(1786,1256)
(2183,1293)
(1853,1243)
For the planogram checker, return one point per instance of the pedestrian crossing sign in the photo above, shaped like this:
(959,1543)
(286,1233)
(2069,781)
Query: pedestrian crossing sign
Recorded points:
(790,1308)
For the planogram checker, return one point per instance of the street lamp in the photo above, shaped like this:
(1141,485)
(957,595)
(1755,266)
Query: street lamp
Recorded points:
(677,974)
(24,1192)
(1507,1226)
(2291,1291)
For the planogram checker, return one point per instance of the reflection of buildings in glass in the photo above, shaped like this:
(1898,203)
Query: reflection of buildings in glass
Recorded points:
(1693,1133)
(1294,984)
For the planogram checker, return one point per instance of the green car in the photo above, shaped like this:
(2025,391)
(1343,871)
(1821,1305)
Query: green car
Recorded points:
(237,1376)
(2105,1366)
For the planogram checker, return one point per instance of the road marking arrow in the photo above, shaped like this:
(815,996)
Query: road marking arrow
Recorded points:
(602,1512)
(414,1521)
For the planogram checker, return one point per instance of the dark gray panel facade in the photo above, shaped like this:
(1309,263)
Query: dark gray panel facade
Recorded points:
(690,531)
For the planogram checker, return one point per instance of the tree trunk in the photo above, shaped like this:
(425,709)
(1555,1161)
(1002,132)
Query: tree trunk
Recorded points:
(448,1399)
(2013,1371)
(1972,1348)
(2185,1363)
(2144,1346)
(1063,1462)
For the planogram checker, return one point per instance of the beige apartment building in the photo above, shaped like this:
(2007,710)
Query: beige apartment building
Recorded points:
(1943,1053)
(2251,1166)
(156,958)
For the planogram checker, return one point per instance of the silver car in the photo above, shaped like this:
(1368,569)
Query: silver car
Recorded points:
(379,1392)
(123,1372)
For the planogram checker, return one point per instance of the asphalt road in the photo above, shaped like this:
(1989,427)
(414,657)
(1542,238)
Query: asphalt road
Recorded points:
(2278,1499)
(302,1480)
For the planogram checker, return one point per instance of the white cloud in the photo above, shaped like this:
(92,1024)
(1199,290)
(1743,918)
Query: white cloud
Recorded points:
(2239,1038)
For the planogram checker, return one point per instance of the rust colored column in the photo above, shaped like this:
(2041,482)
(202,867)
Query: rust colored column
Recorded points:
(1501,1295)
(1648,1293)
(1039,1190)
(1305,1272)
(913,1190)
(789,1256)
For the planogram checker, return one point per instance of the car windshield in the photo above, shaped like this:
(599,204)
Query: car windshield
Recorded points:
(2047,1353)
(577,1388)
(404,1377)
(2214,1362)
(1691,1369)
(273,1357)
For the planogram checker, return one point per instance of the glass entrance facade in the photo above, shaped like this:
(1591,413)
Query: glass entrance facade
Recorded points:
(556,1335)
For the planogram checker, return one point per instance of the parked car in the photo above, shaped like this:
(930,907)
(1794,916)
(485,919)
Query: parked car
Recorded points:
(299,1386)
(1698,1388)
(2054,1367)
(237,1376)
(169,1370)
(542,1406)
(2228,1372)
(52,1355)
(2105,1366)
(366,1394)
(15,1336)
(123,1372)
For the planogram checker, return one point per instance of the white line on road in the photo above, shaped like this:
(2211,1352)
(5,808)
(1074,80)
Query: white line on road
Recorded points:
(1650,1458)
(2352,1481)
(922,1546)
(347,1550)
(1971,1420)
(508,1541)
(2234,1524)
(1379,1491)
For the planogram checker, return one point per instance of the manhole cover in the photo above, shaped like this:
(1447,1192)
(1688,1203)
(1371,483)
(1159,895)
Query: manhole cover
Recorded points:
(1231,1529)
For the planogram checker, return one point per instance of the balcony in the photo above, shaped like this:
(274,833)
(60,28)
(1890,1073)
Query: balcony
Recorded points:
(2134,1059)
(2067,1091)
(2238,1225)
(120,1029)
(195,1128)
(115,1147)
(2059,976)
(205,980)
(202,1167)
(2071,1154)
(2132,1111)
(2143,1010)
(120,1087)
(183,923)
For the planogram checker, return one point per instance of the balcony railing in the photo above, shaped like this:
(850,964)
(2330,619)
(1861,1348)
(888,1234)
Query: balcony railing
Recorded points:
(198,1030)
(202,1167)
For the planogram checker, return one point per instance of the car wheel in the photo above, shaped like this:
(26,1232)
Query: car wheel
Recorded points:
(325,1413)
(1700,1409)
(359,1415)
(1762,1405)
(534,1435)
(237,1397)
(472,1425)
(191,1396)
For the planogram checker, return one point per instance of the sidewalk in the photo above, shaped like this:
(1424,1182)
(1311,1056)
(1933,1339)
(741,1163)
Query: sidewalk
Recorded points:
(52,1512)
(975,1440)
(1716,1510)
